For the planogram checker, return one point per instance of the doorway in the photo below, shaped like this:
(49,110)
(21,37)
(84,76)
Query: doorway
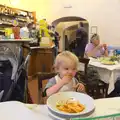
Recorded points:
(66,27)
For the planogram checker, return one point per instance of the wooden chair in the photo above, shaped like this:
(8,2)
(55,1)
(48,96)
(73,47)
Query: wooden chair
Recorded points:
(96,90)
(42,76)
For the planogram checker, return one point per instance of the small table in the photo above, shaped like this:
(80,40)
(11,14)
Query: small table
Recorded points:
(108,73)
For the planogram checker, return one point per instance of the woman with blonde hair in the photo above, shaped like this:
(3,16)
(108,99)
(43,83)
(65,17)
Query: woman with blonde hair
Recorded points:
(94,48)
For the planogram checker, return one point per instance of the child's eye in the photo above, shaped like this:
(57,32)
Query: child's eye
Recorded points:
(66,68)
(74,68)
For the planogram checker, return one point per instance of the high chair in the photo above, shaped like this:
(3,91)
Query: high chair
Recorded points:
(43,78)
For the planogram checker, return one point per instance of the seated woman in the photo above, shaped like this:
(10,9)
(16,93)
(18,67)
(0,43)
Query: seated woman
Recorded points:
(94,48)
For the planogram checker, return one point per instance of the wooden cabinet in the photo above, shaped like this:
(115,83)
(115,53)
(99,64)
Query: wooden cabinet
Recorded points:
(41,61)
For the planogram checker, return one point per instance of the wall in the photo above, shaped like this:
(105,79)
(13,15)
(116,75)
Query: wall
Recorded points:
(42,7)
(102,13)
(60,28)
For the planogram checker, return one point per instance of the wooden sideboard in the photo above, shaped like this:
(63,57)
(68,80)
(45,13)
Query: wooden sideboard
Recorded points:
(41,60)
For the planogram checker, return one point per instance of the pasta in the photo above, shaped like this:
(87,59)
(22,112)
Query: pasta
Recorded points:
(70,106)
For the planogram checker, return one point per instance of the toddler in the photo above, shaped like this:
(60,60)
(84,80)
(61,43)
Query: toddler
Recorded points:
(66,64)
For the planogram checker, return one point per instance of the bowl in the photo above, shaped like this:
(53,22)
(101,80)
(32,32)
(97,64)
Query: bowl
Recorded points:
(84,99)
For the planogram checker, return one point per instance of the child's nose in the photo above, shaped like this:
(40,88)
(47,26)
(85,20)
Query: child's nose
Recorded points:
(70,71)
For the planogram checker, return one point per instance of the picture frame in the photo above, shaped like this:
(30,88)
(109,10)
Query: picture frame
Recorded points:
(94,29)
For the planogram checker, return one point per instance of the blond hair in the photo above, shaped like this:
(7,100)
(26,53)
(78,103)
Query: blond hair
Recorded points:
(63,57)
(94,37)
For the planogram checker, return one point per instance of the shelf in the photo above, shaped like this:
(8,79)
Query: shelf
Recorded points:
(15,40)
(7,14)
(18,17)
(3,25)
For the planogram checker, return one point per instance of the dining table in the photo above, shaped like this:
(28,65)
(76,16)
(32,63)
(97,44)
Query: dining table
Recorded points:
(108,73)
(105,109)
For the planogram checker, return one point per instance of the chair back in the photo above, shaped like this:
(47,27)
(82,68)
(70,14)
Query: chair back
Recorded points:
(42,76)
(85,61)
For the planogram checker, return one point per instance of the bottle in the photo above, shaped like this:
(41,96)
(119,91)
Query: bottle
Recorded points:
(24,33)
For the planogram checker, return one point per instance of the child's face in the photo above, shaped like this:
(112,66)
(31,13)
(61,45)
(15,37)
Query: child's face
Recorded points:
(67,68)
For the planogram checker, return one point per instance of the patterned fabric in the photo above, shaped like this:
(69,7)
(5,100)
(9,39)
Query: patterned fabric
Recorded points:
(92,76)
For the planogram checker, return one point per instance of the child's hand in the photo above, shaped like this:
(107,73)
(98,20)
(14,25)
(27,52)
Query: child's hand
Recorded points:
(66,79)
(79,87)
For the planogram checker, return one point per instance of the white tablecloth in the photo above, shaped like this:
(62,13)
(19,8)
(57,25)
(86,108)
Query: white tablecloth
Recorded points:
(19,111)
(108,73)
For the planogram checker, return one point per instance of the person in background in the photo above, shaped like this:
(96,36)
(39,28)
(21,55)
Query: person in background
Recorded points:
(66,64)
(33,32)
(56,39)
(94,48)
(66,43)
(81,40)
(30,28)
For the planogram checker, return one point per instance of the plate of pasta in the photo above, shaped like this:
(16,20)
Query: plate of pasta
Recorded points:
(70,104)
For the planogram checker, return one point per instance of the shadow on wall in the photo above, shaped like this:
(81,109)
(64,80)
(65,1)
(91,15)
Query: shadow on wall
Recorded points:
(66,27)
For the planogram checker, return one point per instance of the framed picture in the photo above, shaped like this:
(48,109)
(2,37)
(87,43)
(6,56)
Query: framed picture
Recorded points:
(94,30)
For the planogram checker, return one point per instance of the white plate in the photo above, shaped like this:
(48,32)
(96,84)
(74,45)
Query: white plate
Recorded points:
(59,118)
(81,97)
(55,117)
